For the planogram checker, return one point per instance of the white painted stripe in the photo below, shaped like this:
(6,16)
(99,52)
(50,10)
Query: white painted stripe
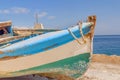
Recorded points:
(68,50)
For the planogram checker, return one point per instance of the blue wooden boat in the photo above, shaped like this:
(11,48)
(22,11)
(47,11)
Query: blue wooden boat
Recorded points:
(5,29)
(9,35)
(66,52)
(6,33)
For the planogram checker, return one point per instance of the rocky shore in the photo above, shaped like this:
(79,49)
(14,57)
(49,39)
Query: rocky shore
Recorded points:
(103,67)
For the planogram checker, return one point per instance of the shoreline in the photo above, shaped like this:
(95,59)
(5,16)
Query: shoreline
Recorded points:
(103,67)
(103,58)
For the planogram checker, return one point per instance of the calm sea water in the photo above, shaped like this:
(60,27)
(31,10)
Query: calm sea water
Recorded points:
(107,44)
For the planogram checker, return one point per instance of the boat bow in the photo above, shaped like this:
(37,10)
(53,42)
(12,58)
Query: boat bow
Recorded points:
(55,52)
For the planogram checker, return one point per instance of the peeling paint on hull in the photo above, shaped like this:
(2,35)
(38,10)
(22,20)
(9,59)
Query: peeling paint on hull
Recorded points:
(74,67)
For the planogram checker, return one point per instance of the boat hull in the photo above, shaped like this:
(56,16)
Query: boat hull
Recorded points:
(70,59)
(74,67)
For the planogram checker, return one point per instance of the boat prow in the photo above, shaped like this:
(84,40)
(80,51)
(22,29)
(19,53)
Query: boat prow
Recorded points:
(66,52)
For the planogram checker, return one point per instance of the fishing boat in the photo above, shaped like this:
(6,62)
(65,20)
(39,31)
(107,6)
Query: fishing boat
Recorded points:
(6,33)
(5,29)
(10,35)
(66,52)
(37,29)
(32,31)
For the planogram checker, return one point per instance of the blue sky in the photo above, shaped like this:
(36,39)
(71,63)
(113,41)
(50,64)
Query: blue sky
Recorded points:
(63,13)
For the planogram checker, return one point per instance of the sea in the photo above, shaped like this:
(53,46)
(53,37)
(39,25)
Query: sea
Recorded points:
(106,44)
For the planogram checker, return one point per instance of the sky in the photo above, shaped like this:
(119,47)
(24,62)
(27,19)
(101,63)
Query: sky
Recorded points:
(62,14)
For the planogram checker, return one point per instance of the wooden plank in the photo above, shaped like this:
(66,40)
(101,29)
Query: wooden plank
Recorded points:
(5,24)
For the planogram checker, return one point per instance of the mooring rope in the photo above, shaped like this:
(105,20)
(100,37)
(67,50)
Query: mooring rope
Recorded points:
(77,39)
(81,32)
(74,36)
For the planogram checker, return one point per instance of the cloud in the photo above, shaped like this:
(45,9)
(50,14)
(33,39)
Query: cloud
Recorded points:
(51,17)
(4,11)
(18,10)
(15,10)
(45,14)
(42,14)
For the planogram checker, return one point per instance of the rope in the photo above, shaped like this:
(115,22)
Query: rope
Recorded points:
(74,36)
(81,32)
(80,28)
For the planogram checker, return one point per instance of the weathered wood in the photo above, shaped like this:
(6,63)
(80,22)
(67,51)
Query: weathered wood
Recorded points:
(92,19)
(55,76)
(7,39)
(16,29)
(32,31)
(5,24)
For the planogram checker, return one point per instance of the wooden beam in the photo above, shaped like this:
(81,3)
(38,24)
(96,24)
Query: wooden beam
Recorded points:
(5,24)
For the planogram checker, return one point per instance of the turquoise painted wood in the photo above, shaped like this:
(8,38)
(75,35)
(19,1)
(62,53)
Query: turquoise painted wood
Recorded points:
(73,67)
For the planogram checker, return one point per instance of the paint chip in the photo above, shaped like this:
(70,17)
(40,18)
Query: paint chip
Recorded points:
(1,52)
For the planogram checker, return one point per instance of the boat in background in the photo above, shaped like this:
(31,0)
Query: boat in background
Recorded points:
(9,35)
(37,29)
(27,32)
(6,33)
(66,52)
(5,29)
